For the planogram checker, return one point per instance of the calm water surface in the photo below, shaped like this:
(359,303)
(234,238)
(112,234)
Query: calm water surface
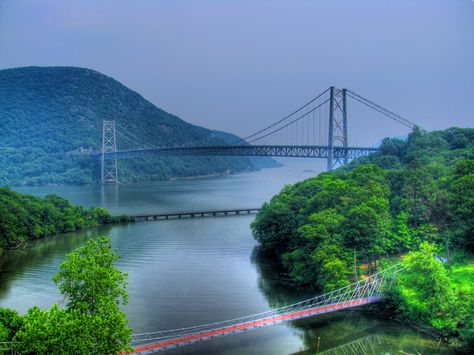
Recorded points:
(189,272)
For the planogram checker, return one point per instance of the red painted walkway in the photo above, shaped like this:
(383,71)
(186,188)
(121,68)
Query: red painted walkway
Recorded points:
(204,335)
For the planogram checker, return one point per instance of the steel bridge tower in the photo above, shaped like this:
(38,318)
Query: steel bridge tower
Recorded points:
(109,145)
(337,135)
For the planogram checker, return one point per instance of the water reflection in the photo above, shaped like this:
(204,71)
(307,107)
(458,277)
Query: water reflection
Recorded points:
(364,345)
(109,195)
(273,277)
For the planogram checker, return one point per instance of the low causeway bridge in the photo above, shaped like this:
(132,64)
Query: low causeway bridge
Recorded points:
(360,293)
(193,214)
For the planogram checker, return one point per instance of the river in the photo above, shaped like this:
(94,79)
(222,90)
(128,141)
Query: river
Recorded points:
(193,271)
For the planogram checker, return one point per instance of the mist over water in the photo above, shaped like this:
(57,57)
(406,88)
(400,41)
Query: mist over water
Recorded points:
(193,271)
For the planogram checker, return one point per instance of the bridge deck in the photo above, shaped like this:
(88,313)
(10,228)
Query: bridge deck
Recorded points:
(193,214)
(294,151)
(281,318)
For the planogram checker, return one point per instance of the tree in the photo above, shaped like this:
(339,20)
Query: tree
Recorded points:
(324,226)
(10,322)
(425,291)
(333,270)
(366,228)
(93,286)
(55,331)
(88,277)
(24,217)
(334,274)
(461,204)
(418,191)
(402,235)
(92,322)
(274,226)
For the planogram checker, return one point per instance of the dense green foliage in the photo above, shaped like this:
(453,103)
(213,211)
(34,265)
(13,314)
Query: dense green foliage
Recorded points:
(317,227)
(329,230)
(49,113)
(429,293)
(91,323)
(25,217)
(10,323)
(410,191)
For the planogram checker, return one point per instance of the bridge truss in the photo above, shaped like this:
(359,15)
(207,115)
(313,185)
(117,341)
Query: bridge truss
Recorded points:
(298,151)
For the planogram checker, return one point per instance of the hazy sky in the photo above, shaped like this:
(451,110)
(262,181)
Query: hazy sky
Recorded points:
(240,65)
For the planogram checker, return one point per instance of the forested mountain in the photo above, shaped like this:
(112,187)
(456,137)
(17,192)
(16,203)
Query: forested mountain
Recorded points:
(47,112)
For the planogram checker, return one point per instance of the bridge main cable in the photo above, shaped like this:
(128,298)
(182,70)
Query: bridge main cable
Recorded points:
(281,120)
(289,123)
(381,109)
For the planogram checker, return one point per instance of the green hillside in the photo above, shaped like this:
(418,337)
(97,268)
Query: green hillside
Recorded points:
(26,217)
(413,199)
(46,112)
(410,191)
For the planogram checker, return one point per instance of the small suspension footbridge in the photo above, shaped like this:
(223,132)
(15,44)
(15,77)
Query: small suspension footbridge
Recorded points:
(360,293)
(317,129)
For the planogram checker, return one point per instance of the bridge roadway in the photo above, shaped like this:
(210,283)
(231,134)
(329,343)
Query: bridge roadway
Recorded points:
(192,214)
(237,328)
(292,151)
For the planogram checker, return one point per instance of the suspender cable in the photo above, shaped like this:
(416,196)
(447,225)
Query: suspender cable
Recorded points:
(283,119)
(289,123)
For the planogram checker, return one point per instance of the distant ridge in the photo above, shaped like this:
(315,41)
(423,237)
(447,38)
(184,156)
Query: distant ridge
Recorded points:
(47,111)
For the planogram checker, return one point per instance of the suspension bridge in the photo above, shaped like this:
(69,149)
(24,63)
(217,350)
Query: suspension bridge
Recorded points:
(360,293)
(301,134)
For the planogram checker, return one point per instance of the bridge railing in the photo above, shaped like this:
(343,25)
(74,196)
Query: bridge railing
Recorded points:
(364,291)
